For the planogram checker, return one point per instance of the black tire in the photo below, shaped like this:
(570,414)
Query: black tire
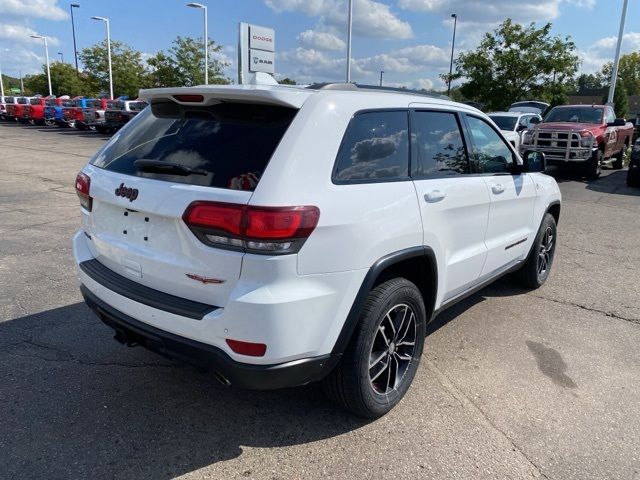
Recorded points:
(593,166)
(618,159)
(101,129)
(633,180)
(535,272)
(371,359)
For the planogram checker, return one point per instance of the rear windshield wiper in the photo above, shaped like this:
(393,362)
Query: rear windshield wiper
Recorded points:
(158,166)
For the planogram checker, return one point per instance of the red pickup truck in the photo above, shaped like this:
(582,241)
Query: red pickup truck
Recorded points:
(581,135)
(34,112)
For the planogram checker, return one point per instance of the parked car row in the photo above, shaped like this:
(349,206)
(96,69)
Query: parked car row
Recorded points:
(579,136)
(99,114)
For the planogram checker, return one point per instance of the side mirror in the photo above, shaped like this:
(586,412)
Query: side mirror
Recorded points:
(521,128)
(534,121)
(534,161)
(618,122)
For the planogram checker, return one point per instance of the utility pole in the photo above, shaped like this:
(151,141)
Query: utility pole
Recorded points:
(453,46)
(1,84)
(381,72)
(349,27)
(616,63)
(73,29)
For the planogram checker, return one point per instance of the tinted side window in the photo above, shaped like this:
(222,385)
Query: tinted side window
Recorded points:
(437,141)
(375,147)
(491,153)
(611,115)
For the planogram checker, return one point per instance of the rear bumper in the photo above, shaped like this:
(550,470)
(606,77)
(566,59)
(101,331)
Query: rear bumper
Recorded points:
(243,375)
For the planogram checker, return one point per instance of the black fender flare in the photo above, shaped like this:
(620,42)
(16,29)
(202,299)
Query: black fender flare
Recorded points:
(369,281)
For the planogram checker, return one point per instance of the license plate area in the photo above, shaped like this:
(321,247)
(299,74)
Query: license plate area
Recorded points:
(136,226)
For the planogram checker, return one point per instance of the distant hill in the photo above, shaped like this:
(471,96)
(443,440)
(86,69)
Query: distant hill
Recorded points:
(9,83)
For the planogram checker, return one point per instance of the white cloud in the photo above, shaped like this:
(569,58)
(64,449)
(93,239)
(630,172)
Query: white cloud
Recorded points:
(370,18)
(48,9)
(603,50)
(405,60)
(22,34)
(488,11)
(321,40)
(587,4)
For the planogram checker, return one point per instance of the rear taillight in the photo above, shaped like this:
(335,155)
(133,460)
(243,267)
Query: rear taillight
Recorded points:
(265,230)
(83,185)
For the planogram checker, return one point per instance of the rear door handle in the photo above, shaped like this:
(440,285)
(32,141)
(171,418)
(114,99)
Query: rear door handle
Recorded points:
(497,189)
(434,196)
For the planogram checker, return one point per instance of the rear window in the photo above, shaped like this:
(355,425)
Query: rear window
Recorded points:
(35,101)
(115,105)
(227,145)
(23,101)
(92,103)
(50,102)
(137,106)
(9,99)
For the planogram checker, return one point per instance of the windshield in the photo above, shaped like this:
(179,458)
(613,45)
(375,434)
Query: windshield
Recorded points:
(575,115)
(50,102)
(115,105)
(504,123)
(9,99)
(92,103)
(35,101)
(23,101)
(230,142)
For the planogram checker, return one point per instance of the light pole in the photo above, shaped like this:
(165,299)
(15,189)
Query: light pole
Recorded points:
(106,20)
(1,84)
(616,63)
(73,29)
(46,52)
(453,46)
(61,57)
(381,72)
(206,40)
(349,27)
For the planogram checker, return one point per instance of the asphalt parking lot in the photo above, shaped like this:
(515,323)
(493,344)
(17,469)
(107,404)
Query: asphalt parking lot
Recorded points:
(513,384)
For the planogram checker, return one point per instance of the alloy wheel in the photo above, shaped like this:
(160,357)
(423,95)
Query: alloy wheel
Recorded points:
(392,349)
(545,252)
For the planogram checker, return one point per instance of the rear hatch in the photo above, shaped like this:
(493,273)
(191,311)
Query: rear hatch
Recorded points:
(136,224)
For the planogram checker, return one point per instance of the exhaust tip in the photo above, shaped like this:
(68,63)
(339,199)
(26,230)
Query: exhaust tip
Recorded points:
(222,379)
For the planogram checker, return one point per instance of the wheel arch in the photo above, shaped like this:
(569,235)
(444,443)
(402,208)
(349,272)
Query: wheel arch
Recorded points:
(416,264)
(554,210)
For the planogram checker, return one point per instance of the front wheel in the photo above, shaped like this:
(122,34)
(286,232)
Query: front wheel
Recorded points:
(593,166)
(535,272)
(383,355)
(618,159)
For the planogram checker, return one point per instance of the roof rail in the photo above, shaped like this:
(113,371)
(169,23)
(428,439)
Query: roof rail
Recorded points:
(356,87)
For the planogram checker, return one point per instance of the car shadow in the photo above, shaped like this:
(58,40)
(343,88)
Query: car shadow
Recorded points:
(76,404)
(613,183)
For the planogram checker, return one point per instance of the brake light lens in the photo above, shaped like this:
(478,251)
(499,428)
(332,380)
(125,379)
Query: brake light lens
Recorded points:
(247,348)
(265,230)
(189,98)
(83,186)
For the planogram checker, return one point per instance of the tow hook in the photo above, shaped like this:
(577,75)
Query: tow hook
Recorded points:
(126,338)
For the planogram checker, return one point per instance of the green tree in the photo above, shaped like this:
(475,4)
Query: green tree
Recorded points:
(183,64)
(287,81)
(129,74)
(516,62)
(589,81)
(64,81)
(620,100)
(628,73)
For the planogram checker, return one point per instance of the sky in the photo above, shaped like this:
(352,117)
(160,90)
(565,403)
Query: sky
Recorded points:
(410,40)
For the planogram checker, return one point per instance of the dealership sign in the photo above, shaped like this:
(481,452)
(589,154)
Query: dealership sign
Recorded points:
(256,51)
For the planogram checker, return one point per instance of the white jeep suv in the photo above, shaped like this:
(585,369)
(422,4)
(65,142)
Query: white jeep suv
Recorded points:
(285,235)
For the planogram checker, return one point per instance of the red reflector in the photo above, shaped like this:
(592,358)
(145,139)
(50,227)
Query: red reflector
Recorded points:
(247,348)
(189,98)
(281,223)
(218,216)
